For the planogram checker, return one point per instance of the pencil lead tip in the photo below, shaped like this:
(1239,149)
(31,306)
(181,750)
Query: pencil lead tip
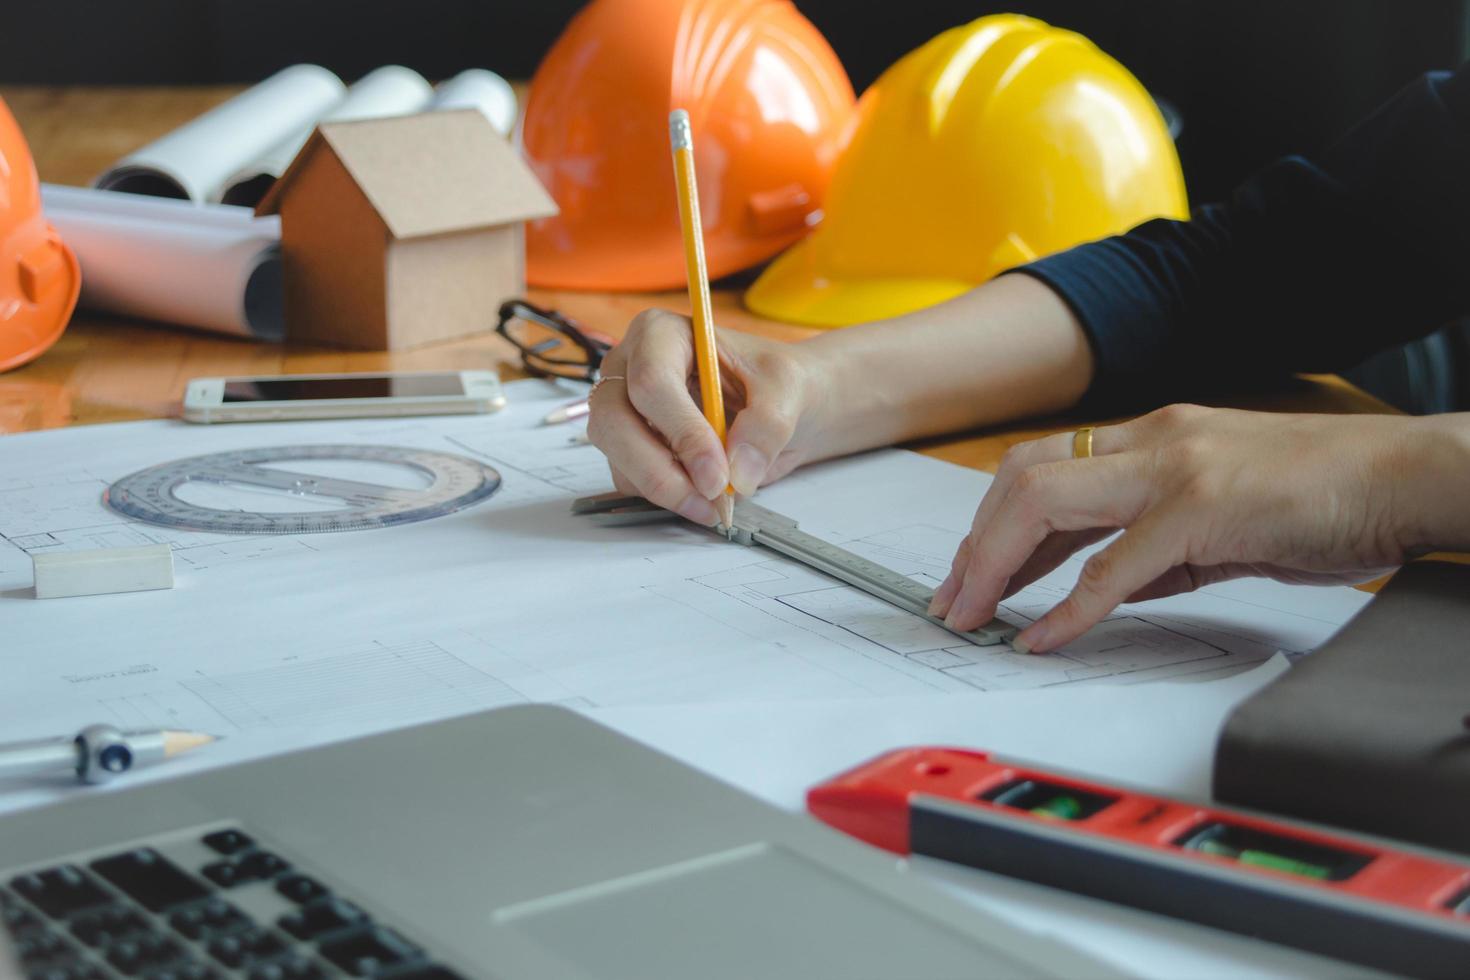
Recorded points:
(175,742)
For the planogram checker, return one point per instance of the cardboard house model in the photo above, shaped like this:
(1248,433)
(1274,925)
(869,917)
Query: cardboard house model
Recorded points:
(402,231)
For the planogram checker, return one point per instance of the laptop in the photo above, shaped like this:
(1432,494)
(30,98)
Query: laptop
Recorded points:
(525,842)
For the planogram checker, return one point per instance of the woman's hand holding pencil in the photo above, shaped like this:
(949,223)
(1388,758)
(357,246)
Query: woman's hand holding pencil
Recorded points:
(660,446)
(665,358)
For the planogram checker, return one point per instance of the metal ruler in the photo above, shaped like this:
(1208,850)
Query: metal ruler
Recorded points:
(151,495)
(756,525)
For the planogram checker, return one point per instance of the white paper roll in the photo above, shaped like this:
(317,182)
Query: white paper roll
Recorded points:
(62,197)
(214,267)
(388,91)
(476,88)
(195,160)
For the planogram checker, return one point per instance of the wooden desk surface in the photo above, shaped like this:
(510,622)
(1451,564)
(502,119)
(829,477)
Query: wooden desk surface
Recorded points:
(106,369)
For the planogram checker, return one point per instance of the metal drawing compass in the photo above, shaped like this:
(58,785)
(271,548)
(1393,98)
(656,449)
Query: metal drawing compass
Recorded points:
(151,495)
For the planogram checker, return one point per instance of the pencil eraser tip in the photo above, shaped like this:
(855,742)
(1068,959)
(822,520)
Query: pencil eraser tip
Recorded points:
(679,132)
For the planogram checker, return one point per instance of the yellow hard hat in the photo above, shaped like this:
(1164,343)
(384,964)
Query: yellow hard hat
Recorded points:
(993,144)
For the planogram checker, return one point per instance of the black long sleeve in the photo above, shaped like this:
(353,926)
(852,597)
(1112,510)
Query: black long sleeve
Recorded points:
(1310,266)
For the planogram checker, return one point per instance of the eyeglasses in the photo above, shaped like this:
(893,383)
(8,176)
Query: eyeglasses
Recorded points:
(552,345)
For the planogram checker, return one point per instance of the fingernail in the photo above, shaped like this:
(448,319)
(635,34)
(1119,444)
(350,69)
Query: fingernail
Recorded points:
(708,475)
(944,596)
(1032,639)
(959,612)
(697,509)
(748,467)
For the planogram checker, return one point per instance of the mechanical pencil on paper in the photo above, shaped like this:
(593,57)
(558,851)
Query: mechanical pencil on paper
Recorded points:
(98,753)
(705,355)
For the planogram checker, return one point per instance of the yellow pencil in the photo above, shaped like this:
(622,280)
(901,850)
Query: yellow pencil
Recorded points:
(705,357)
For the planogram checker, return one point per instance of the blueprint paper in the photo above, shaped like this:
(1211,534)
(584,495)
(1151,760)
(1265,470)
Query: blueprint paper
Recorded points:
(388,91)
(213,267)
(1161,735)
(196,160)
(273,641)
(662,614)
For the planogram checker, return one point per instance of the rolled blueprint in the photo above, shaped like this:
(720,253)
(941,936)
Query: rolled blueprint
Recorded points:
(214,267)
(476,88)
(195,160)
(388,91)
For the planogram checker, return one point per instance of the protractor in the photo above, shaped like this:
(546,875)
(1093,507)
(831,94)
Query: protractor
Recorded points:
(303,489)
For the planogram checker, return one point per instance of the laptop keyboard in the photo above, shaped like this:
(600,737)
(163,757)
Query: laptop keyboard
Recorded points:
(214,906)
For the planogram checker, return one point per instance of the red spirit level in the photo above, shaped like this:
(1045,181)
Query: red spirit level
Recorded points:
(1277,880)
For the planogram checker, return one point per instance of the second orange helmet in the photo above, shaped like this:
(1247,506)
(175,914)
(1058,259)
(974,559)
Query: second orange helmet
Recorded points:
(39,276)
(770,106)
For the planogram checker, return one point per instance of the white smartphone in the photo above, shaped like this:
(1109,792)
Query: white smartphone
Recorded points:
(341,396)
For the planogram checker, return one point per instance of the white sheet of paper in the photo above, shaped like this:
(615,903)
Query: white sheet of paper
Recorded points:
(1156,737)
(282,642)
(516,591)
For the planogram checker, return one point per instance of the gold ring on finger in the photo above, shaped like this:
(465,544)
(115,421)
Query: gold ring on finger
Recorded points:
(1082,443)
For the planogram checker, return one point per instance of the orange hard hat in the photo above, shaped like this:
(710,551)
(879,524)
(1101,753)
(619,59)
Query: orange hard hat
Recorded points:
(769,104)
(39,277)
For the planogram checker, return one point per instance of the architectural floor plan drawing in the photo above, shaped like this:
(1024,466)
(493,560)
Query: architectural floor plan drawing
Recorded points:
(280,640)
(1128,647)
(554,462)
(65,515)
(410,681)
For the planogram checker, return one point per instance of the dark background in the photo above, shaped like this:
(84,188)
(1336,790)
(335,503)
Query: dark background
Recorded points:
(1253,80)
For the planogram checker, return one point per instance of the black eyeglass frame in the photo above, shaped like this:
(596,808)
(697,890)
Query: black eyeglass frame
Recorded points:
(534,358)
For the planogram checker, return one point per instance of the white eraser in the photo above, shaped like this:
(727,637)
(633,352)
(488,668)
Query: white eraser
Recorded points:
(99,571)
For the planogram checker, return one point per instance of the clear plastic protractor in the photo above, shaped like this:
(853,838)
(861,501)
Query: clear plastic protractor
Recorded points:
(445,483)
